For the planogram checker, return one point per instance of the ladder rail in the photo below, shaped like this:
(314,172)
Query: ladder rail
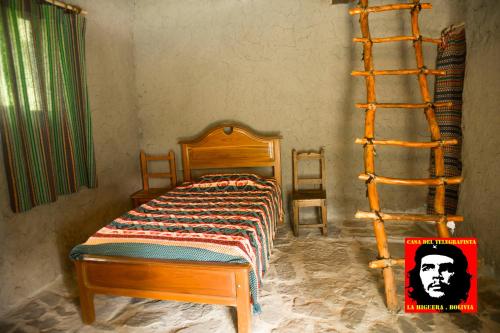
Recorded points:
(369,160)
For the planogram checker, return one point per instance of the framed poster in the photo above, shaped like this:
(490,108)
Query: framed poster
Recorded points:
(441,275)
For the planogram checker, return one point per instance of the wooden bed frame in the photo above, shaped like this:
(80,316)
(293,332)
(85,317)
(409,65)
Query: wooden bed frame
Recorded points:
(223,146)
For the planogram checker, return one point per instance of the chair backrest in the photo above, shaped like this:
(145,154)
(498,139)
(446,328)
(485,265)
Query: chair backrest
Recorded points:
(146,175)
(301,156)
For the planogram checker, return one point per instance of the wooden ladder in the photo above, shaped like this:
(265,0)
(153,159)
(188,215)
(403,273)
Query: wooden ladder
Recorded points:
(378,217)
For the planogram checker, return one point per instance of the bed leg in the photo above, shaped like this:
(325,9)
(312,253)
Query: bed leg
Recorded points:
(86,296)
(243,308)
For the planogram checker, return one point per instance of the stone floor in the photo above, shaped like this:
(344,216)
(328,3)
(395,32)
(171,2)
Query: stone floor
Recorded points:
(315,284)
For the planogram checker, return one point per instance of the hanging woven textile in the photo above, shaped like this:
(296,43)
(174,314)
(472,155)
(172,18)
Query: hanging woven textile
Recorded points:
(451,58)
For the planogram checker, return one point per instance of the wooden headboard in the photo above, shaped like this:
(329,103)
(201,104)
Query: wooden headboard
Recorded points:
(231,146)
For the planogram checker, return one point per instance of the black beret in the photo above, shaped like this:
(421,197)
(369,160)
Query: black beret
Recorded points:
(442,249)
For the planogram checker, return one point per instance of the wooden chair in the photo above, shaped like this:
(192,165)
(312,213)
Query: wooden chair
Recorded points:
(148,193)
(309,197)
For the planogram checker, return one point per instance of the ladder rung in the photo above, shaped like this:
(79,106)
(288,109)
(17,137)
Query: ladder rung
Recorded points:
(402,105)
(310,181)
(407,217)
(399,6)
(396,39)
(159,175)
(399,72)
(412,182)
(408,144)
(383,263)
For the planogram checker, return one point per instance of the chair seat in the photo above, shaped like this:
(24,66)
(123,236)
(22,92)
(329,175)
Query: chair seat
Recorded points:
(149,194)
(309,195)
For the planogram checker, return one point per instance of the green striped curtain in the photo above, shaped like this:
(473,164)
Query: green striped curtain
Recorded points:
(44,111)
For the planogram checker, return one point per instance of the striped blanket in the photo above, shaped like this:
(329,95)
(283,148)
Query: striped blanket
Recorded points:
(451,57)
(221,218)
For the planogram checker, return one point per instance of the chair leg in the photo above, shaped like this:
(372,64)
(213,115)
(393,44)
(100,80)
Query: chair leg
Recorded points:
(324,219)
(295,225)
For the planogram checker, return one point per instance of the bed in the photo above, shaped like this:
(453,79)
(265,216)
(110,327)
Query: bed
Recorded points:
(230,282)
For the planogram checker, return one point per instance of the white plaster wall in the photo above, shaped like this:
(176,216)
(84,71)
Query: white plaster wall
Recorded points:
(480,196)
(34,246)
(283,65)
